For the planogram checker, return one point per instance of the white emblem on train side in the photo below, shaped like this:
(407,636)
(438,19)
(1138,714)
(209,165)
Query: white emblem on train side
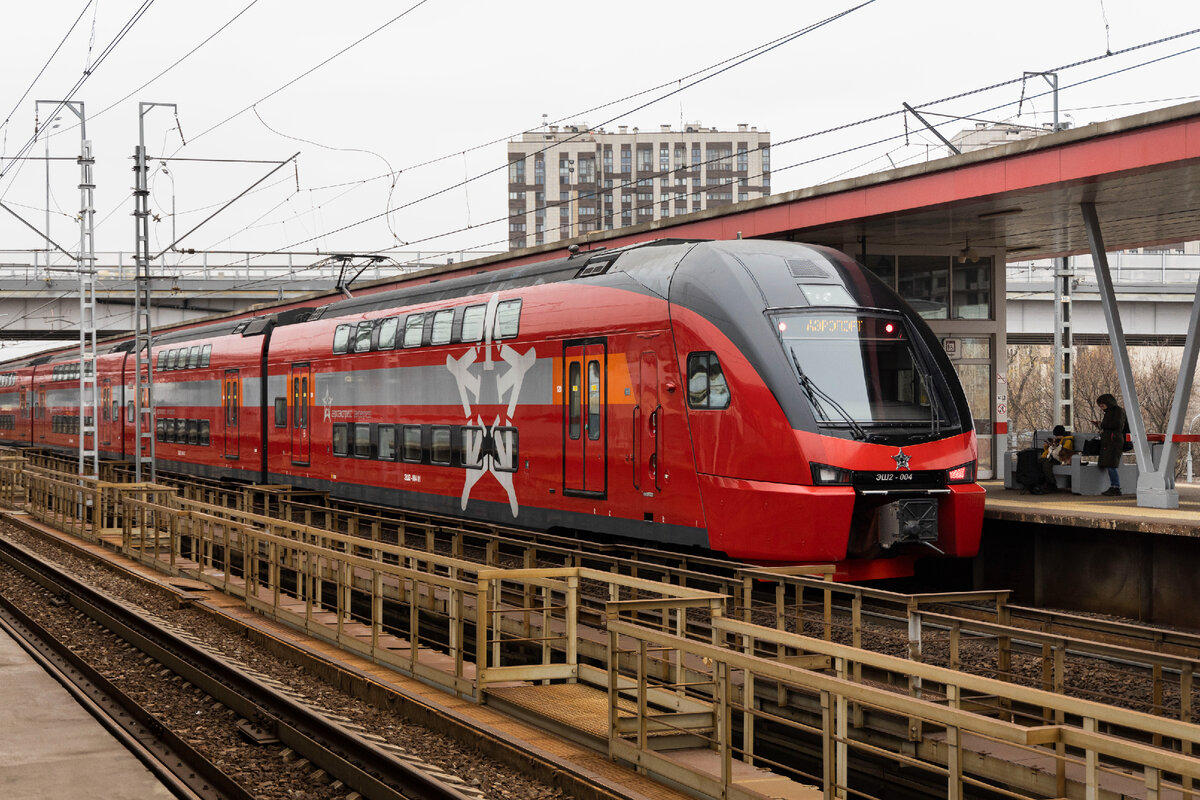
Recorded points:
(327,402)
(498,460)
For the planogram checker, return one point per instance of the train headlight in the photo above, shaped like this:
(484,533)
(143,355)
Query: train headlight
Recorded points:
(825,475)
(963,473)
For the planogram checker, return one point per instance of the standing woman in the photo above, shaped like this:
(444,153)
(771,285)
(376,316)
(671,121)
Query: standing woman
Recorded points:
(1112,444)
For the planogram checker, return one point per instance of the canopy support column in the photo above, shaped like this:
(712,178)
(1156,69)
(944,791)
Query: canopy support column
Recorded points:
(1156,483)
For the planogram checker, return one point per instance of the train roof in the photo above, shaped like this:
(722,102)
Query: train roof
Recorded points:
(577,265)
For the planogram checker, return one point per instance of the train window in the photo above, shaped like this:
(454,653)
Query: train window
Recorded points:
(413,328)
(129,411)
(439,451)
(593,400)
(280,412)
(158,363)
(362,336)
(341,339)
(412,443)
(297,403)
(573,401)
(205,354)
(194,357)
(193,431)
(504,449)
(386,448)
(116,410)
(168,430)
(341,439)
(204,433)
(172,358)
(471,446)
(160,430)
(706,382)
(443,323)
(472,323)
(387,333)
(362,440)
(508,318)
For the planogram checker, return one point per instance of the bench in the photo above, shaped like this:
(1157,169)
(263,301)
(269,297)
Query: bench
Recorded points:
(1081,476)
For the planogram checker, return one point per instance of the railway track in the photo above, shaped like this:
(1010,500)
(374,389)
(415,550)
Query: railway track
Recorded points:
(795,603)
(1103,662)
(866,618)
(327,759)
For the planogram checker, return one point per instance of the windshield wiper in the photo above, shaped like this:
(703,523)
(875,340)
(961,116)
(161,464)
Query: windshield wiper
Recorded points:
(813,391)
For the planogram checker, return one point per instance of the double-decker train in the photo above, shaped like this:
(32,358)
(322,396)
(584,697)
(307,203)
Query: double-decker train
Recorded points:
(769,400)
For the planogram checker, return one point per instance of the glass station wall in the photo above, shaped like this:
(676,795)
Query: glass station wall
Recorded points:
(962,304)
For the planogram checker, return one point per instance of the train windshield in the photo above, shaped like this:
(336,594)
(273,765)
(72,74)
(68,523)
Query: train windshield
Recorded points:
(862,371)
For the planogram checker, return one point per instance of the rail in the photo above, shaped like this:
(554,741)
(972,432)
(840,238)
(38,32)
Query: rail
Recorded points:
(355,761)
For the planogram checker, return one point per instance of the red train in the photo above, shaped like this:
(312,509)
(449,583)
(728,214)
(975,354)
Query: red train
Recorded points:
(769,400)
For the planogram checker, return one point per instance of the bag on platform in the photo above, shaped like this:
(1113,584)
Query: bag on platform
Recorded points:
(1028,472)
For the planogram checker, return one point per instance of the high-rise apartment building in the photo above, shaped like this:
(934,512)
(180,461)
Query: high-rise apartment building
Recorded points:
(567,181)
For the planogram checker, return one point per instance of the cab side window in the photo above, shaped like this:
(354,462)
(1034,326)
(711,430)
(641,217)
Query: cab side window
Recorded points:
(706,382)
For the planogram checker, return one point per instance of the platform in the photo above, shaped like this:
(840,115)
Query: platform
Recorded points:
(1093,554)
(1098,512)
(53,749)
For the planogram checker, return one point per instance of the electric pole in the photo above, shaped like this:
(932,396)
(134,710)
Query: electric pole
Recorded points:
(89,453)
(143,392)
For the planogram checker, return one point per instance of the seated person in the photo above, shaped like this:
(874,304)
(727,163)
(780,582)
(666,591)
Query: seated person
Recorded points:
(1058,450)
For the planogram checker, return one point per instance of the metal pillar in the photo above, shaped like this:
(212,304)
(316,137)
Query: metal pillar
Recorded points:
(1179,405)
(89,447)
(1064,275)
(89,455)
(1155,488)
(143,392)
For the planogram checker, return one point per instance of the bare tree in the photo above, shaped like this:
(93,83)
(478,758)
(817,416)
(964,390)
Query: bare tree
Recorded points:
(1029,397)
(1155,374)
(1093,373)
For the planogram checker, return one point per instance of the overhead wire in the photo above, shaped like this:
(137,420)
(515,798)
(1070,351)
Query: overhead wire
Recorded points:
(842,127)
(69,95)
(874,143)
(42,71)
(720,66)
(791,140)
(313,69)
(680,88)
(867,120)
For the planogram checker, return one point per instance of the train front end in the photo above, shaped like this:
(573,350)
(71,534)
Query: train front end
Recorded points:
(850,439)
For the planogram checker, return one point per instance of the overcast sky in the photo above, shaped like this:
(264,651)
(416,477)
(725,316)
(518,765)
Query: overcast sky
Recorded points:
(457,78)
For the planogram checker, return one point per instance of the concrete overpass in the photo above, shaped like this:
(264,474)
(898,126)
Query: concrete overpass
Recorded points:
(39,297)
(1154,293)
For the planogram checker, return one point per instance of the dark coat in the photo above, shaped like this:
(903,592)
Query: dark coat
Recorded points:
(1112,436)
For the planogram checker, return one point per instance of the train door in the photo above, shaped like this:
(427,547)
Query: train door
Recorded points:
(232,395)
(300,399)
(584,439)
(108,420)
(647,421)
(39,414)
